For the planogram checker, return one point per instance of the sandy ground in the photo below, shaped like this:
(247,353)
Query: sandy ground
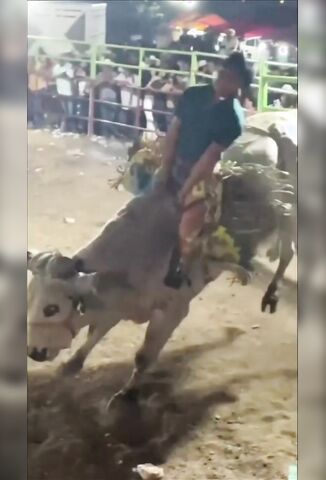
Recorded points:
(221,402)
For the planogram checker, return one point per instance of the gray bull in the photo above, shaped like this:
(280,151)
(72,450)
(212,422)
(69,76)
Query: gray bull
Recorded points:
(118,276)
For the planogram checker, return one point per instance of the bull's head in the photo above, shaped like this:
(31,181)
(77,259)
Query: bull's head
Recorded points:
(55,303)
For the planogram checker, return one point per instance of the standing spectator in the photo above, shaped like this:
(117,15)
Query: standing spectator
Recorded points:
(107,91)
(37,85)
(129,83)
(161,87)
(65,89)
(230,42)
(146,76)
(81,90)
(184,40)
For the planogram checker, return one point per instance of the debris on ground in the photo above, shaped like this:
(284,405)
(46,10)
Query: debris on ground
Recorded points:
(255,327)
(148,471)
(69,220)
(38,170)
(75,153)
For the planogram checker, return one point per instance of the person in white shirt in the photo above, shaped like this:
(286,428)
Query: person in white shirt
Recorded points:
(230,43)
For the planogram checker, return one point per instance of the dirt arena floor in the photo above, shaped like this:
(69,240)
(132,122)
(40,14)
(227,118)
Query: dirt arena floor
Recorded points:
(220,403)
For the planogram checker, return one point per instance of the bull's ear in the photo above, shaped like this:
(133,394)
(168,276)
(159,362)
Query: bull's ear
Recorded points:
(30,256)
(85,283)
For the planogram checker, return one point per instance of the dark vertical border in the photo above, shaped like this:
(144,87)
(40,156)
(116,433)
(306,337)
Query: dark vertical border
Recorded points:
(312,242)
(13,240)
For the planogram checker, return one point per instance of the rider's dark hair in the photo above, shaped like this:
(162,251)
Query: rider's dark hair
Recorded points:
(236,62)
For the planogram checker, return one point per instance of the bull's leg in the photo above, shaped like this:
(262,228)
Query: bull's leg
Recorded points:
(159,330)
(271,296)
(76,362)
(274,251)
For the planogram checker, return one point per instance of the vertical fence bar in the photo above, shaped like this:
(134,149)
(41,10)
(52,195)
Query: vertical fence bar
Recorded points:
(262,98)
(93,59)
(140,64)
(91,104)
(262,86)
(91,108)
(193,68)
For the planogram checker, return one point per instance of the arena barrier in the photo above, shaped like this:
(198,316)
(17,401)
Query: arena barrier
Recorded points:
(95,56)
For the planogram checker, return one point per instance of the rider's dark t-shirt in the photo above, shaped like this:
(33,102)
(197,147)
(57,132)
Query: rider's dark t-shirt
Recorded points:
(204,121)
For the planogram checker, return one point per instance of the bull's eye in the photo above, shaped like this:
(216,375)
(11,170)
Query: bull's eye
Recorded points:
(51,310)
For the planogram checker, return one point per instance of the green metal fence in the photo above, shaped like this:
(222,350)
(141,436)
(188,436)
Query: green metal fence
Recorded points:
(99,55)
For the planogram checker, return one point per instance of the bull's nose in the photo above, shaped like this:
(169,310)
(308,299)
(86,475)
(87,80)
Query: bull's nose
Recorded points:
(39,355)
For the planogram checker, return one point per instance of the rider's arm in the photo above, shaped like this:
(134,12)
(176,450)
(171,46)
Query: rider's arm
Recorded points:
(202,169)
(170,147)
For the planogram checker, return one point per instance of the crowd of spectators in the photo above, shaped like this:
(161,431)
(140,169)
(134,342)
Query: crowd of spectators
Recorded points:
(58,92)
(123,95)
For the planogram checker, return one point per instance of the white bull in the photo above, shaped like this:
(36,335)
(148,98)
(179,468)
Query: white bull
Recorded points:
(118,276)
(270,139)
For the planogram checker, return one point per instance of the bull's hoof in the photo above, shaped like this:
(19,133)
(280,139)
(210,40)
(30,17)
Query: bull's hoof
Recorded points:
(245,277)
(241,275)
(269,300)
(71,368)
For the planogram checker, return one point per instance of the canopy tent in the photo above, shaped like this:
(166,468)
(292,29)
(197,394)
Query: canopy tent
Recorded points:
(265,32)
(272,33)
(200,23)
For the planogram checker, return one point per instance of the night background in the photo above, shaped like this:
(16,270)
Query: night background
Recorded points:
(130,17)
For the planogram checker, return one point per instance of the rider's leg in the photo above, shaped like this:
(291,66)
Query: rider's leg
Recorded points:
(191,225)
(192,222)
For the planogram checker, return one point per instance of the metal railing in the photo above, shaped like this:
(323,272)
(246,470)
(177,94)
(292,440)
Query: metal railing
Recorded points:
(96,56)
